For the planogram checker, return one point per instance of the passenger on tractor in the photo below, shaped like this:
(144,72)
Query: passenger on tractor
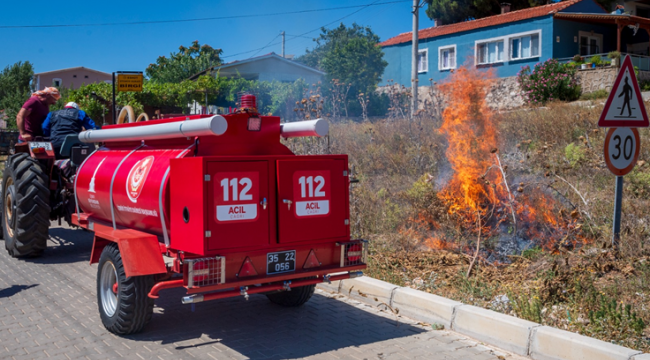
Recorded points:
(34,111)
(68,121)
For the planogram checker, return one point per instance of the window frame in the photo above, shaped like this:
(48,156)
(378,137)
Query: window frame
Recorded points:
(425,62)
(487,41)
(440,50)
(589,34)
(512,37)
(55,80)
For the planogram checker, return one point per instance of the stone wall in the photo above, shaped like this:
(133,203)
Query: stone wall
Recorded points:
(505,93)
(597,79)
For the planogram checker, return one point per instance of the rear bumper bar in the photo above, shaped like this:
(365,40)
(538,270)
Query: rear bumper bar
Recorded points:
(245,290)
(284,286)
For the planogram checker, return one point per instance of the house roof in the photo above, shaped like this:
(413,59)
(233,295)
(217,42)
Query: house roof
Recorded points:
(271,55)
(73,68)
(508,17)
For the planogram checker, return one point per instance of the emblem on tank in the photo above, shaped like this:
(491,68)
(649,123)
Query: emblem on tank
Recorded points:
(137,177)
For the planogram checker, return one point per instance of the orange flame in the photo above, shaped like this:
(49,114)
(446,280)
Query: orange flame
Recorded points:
(477,189)
(471,135)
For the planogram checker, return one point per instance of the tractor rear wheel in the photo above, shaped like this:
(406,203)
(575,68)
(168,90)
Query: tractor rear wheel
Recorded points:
(25,206)
(124,303)
(296,297)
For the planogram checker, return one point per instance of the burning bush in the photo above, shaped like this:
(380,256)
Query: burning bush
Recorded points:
(548,81)
(480,197)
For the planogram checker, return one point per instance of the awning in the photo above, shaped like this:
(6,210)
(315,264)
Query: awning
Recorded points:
(620,20)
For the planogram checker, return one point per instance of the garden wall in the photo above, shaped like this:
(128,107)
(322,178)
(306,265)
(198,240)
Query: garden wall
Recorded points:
(505,93)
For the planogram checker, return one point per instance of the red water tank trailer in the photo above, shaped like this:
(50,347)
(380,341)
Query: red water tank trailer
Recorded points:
(231,208)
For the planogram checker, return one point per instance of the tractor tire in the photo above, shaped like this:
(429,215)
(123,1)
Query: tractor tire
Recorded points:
(296,297)
(25,206)
(124,303)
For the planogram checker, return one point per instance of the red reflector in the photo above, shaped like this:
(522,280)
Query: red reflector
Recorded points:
(247,269)
(201,271)
(312,261)
(38,150)
(354,252)
(254,123)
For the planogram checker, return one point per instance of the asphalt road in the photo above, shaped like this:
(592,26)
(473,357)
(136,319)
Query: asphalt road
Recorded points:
(48,309)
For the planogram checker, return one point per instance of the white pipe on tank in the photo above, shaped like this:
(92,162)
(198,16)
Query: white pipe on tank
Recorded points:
(215,125)
(318,127)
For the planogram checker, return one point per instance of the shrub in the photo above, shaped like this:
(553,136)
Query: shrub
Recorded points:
(548,81)
(598,94)
(614,55)
(574,154)
(596,59)
(577,59)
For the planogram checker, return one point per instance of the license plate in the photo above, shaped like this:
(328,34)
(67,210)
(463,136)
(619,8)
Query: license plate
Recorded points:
(280,262)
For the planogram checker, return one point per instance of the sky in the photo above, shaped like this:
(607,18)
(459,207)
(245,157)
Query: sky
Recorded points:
(134,47)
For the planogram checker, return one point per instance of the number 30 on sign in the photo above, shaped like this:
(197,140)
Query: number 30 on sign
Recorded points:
(622,146)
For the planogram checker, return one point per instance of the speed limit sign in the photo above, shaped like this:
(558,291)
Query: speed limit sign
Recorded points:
(622,146)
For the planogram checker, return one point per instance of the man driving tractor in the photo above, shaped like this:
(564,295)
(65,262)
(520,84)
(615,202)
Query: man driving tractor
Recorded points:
(33,113)
(69,121)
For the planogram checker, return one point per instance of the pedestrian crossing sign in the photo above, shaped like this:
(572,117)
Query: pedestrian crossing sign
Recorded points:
(624,106)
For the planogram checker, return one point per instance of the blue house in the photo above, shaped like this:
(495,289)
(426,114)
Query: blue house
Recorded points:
(510,40)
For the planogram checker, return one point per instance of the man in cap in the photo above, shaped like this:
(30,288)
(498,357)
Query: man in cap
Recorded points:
(62,123)
(33,113)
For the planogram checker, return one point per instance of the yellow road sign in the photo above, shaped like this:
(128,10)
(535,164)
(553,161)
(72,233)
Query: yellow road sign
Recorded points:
(129,82)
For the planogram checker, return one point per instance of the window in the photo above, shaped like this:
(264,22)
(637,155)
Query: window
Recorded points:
(489,52)
(74,76)
(56,82)
(85,76)
(423,60)
(590,43)
(447,57)
(524,47)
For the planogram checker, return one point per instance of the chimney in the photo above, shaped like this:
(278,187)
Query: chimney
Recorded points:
(505,8)
(437,22)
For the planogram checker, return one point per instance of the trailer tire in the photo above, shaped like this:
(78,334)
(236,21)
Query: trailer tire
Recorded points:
(296,297)
(25,206)
(124,303)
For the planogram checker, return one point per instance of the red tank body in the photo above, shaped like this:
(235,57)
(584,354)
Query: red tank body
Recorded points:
(236,211)
(137,178)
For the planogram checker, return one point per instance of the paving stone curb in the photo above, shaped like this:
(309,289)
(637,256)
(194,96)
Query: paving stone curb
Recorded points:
(509,333)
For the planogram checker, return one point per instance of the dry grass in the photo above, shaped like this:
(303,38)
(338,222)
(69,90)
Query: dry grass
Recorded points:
(592,289)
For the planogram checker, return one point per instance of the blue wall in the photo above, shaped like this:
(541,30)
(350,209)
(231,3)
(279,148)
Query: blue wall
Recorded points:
(567,30)
(399,56)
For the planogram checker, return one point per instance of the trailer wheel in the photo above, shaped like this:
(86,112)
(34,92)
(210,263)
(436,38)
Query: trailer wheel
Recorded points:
(25,206)
(296,297)
(124,304)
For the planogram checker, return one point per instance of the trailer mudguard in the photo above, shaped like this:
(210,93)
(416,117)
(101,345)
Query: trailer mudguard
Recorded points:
(140,252)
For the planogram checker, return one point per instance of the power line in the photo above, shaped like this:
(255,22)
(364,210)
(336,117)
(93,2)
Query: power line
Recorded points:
(258,51)
(310,31)
(203,19)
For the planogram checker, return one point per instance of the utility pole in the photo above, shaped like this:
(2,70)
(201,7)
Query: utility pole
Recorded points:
(282,43)
(414,60)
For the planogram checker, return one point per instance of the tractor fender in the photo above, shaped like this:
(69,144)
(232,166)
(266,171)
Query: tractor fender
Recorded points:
(140,254)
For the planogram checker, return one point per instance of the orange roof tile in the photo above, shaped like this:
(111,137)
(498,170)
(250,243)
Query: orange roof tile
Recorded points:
(483,22)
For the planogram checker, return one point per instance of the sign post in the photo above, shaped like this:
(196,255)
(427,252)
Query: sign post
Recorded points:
(624,111)
(622,146)
(126,81)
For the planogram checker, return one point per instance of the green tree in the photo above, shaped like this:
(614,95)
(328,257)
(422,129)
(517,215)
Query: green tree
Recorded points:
(350,55)
(14,89)
(453,11)
(186,62)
